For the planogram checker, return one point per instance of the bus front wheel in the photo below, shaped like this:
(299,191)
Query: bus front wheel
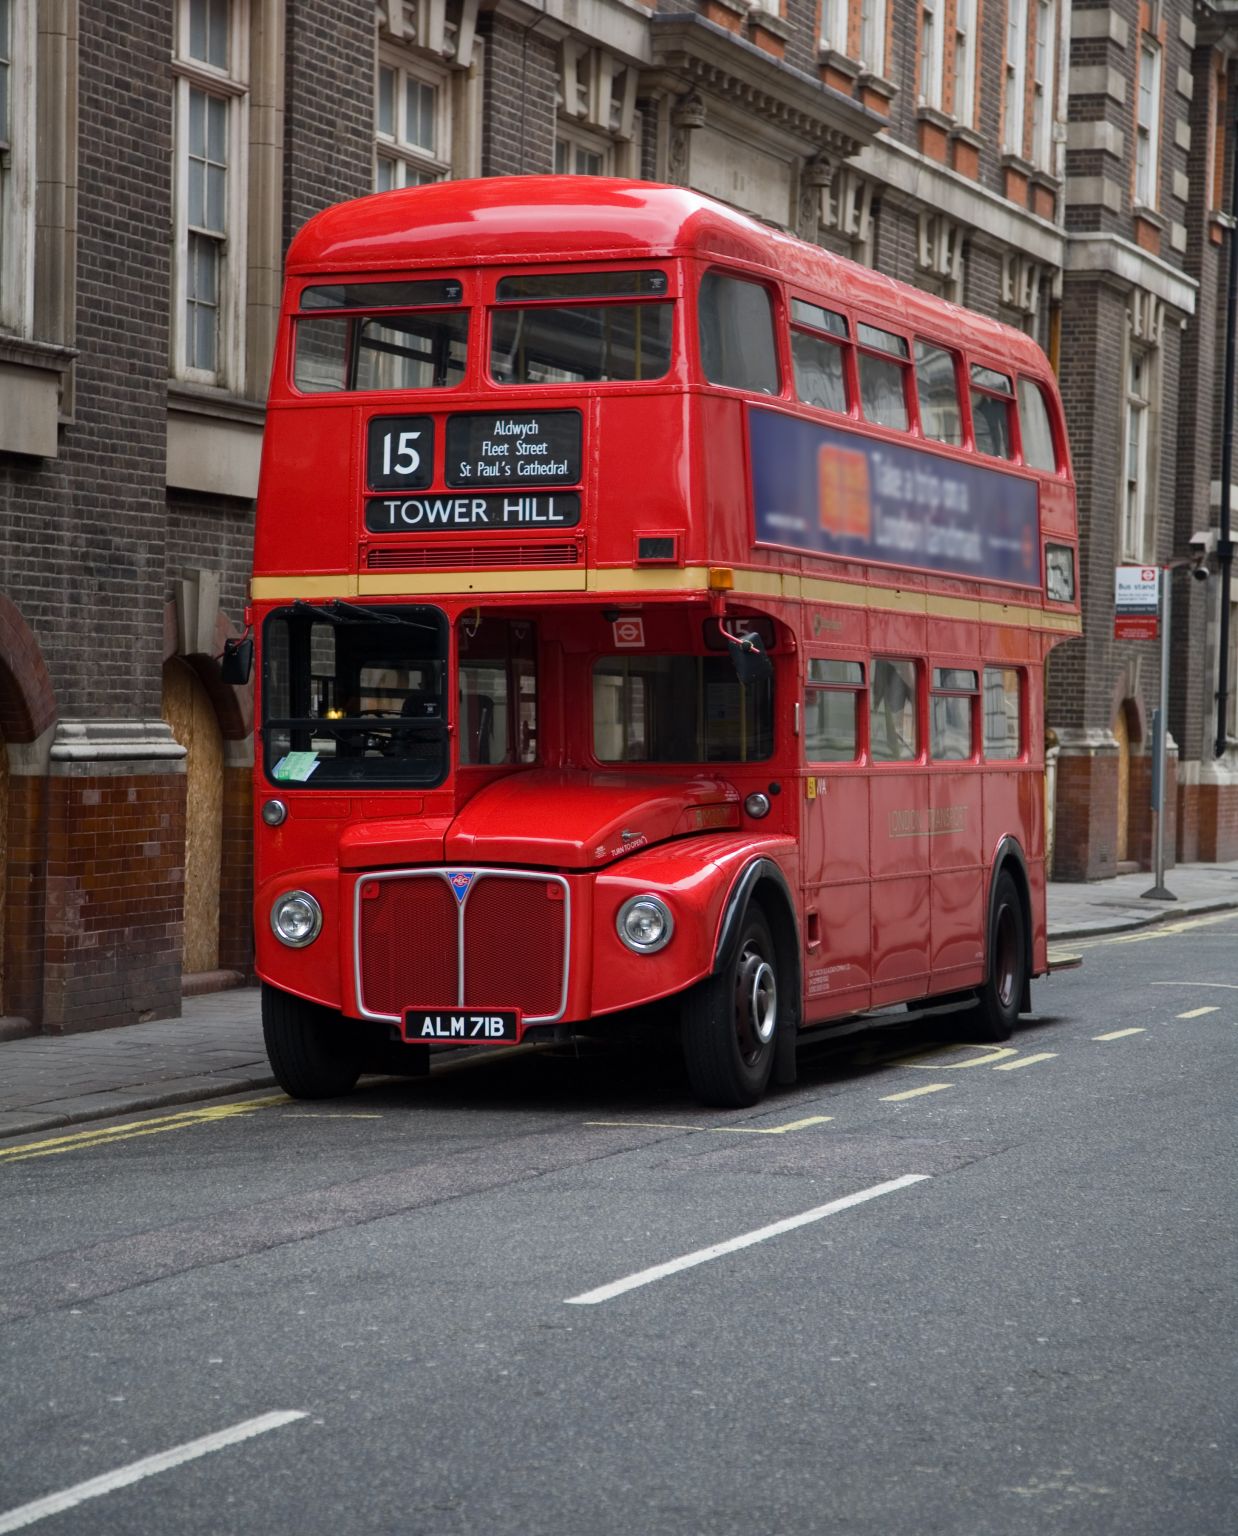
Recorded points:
(308,1051)
(730,1022)
(1003,988)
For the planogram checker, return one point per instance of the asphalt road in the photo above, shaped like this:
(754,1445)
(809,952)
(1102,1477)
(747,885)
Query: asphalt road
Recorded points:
(453,1306)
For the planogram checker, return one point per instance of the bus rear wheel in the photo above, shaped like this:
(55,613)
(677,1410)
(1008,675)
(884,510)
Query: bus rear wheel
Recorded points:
(309,1053)
(1000,995)
(730,1022)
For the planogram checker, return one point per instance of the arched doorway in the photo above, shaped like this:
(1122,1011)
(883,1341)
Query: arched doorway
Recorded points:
(1126,731)
(187,708)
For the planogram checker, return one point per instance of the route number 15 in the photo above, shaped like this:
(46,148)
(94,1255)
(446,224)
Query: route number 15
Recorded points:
(399,452)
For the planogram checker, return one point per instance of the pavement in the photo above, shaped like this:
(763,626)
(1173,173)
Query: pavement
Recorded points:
(215,1048)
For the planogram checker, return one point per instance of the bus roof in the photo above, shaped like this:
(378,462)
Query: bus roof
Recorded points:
(550,219)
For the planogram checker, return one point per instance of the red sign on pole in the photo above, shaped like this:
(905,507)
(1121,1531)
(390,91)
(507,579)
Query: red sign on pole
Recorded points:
(1136,602)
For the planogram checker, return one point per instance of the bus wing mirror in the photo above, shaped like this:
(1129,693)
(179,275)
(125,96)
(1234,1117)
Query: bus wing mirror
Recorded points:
(749,658)
(237,661)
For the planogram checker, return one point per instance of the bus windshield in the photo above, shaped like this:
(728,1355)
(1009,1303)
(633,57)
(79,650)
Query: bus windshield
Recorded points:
(355,696)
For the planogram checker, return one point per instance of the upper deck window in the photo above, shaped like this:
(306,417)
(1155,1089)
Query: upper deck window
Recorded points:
(421,350)
(735,320)
(580,343)
(940,415)
(820,375)
(883,376)
(581,285)
(992,402)
(1034,425)
(382,295)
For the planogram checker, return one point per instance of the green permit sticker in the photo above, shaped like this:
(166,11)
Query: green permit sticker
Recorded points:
(295,767)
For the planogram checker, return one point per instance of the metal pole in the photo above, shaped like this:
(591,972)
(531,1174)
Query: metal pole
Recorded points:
(1225,548)
(1160,753)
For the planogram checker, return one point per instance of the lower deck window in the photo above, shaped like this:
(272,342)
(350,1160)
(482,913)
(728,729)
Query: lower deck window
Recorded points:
(892,712)
(832,710)
(953,714)
(679,709)
(1002,695)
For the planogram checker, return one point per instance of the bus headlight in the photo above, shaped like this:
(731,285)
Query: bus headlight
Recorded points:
(645,924)
(296,919)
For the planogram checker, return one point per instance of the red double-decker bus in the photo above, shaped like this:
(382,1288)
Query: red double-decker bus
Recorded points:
(651,608)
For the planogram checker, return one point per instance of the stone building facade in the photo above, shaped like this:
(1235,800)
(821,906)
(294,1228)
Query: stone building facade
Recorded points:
(1060,165)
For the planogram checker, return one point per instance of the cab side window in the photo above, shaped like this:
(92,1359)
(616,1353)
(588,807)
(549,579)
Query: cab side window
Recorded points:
(735,321)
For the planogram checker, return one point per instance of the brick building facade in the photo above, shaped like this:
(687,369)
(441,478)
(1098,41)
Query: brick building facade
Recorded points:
(1060,166)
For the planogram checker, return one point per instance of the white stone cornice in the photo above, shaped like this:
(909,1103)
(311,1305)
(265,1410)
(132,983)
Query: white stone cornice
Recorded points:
(1107,255)
(929,184)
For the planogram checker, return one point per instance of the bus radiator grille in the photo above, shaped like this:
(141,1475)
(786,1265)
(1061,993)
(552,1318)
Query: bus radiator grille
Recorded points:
(408,946)
(513,945)
(470,556)
(514,931)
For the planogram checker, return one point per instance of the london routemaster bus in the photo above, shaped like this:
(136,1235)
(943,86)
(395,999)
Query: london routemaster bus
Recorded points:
(651,609)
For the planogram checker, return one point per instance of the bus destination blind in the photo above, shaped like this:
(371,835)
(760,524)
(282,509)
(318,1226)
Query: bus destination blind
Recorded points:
(839,493)
(490,449)
(512,509)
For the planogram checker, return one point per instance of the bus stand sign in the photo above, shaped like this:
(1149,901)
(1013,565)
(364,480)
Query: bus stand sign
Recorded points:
(1136,602)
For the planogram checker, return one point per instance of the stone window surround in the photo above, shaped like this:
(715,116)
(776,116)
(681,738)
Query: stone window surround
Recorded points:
(229,84)
(437,159)
(436,41)
(214,433)
(37,335)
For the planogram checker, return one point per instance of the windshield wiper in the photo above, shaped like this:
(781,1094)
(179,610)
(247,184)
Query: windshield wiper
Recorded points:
(337,611)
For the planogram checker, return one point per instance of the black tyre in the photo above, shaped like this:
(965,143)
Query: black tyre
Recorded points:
(1007,964)
(730,1022)
(308,1048)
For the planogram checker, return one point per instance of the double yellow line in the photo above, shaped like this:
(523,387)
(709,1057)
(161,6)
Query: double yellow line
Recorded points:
(79,1141)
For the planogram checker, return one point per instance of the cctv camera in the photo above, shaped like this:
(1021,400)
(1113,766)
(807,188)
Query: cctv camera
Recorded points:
(1200,570)
(1204,542)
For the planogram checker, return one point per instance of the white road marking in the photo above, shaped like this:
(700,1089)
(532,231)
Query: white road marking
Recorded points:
(1120,1034)
(163,1461)
(1194,1013)
(1228,986)
(914,1093)
(1025,1061)
(734,1244)
(730,1130)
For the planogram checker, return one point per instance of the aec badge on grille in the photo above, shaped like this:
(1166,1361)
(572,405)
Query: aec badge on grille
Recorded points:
(460,880)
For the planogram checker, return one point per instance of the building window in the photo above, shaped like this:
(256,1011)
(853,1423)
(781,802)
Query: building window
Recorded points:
(582,154)
(211,68)
(17,41)
(834,25)
(873,35)
(1016,77)
(1148,124)
(1136,489)
(932,53)
(412,125)
(596,125)
(965,62)
(1043,54)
